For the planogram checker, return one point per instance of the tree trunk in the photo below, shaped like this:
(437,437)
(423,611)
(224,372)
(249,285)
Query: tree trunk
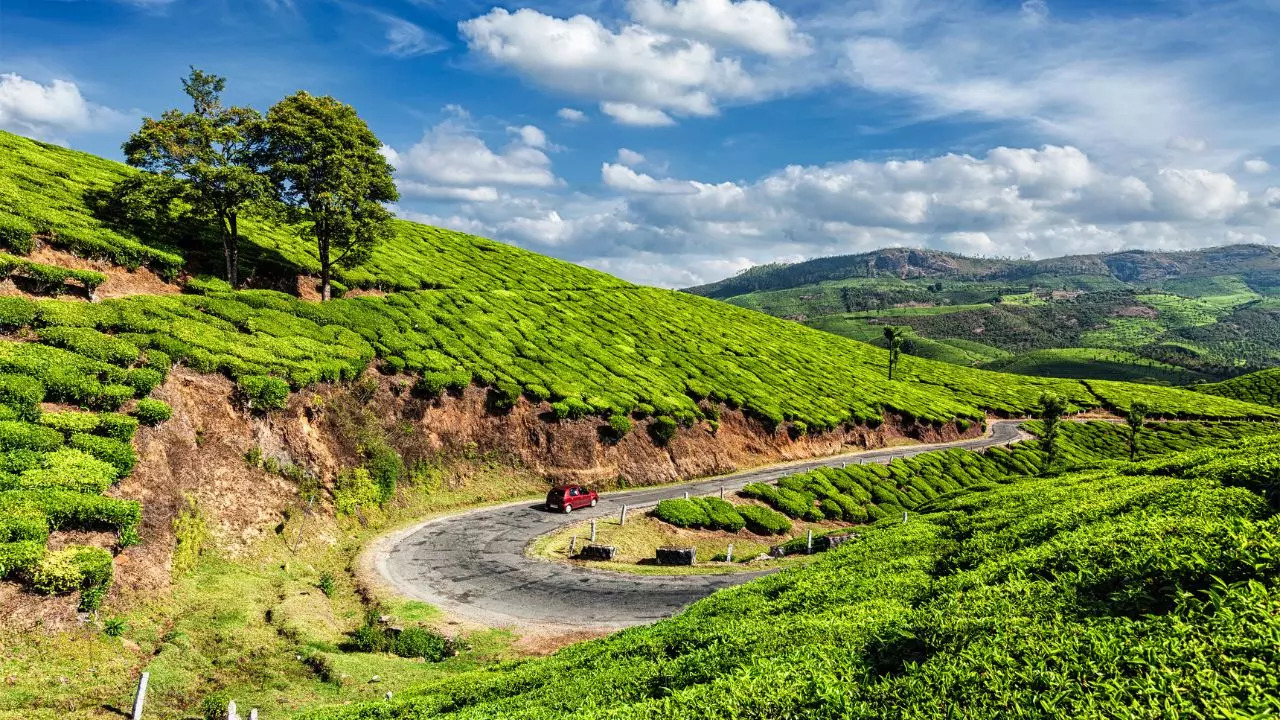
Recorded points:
(325,292)
(231,246)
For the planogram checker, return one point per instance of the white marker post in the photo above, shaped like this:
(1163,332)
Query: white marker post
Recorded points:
(253,714)
(141,697)
(904,516)
(593,531)
(573,544)
(686,494)
(810,542)
(231,711)
(622,518)
(728,555)
(721,492)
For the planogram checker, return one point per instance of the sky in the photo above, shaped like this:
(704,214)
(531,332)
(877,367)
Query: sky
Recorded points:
(677,142)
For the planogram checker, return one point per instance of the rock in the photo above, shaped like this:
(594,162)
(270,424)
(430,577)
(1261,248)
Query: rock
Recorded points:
(677,555)
(598,552)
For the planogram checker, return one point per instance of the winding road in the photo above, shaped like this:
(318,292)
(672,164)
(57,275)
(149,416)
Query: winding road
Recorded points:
(474,565)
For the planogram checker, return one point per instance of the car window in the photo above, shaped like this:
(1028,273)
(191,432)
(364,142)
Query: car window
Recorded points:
(573,491)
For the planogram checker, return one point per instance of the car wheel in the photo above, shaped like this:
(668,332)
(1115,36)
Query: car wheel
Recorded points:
(568,508)
(593,502)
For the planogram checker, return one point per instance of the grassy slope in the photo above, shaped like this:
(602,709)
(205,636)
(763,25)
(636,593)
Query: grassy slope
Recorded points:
(503,315)
(1092,363)
(1214,319)
(1133,591)
(1262,387)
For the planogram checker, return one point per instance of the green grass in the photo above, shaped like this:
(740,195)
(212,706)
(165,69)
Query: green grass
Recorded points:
(1262,387)
(1092,364)
(1133,591)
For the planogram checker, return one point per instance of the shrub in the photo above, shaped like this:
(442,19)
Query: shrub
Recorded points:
(571,409)
(763,521)
(262,392)
(831,510)
(16,312)
(354,491)
(662,429)
(70,422)
(20,557)
(74,568)
(418,642)
(327,584)
(722,515)
(682,513)
(504,396)
(386,468)
(17,234)
(25,436)
(119,454)
(23,394)
(158,360)
(152,412)
(111,397)
(91,343)
(143,380)
(619,426)
(117,426)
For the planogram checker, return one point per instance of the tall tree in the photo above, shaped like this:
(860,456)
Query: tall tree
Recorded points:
(1135,419)
(1050,412)
(326,167)
(893,337)
(212,150)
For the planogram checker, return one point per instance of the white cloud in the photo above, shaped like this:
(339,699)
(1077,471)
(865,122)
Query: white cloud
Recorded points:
(1186,144)
(629,157)
(51,111)
(632,114)
(751,24)
(451,162)
(530,135)
(405,39)
(1257,166)
(571,115)
(623,178)
(1038,202)
(641,76)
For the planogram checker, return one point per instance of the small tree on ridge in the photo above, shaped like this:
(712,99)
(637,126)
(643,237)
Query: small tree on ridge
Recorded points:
(1135,418)
(893,337)
(1050,410)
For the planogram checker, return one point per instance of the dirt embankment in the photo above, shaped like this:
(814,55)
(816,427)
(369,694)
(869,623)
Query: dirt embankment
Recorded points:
(201,452)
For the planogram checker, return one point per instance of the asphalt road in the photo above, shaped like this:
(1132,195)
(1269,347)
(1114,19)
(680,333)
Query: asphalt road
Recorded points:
(474,565)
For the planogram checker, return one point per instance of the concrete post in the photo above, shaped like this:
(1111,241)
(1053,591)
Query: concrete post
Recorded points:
(388,696)
(904,516)
(141,697)
(253,714)
(573,544)
(721,492)
(728,555)
(622,518)
(593,531)
(231,711)
(810,543)
(686,494)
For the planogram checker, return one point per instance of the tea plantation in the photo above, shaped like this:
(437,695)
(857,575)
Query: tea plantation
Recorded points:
(1135,591)
(1262,387)
(463,311)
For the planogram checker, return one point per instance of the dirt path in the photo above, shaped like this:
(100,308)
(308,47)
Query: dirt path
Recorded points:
(473,565)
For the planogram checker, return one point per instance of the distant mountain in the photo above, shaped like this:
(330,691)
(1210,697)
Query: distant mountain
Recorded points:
(1166,317)
(1131,266)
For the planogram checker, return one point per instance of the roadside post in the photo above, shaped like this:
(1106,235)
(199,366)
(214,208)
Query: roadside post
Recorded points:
(141,697)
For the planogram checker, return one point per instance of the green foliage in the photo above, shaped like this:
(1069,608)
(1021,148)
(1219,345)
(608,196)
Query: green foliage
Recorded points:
(48,278)
(120,454)
(619,426)
(262,392)
(1168,570)
(1262,387)
(192,533)
(22,393)
(210,154)
(328,168)
(327,583)
(17,234)
(662,429)
(681,513)
(419,642)
(386,468)
(152,412)
(355,490)
(114,627)
(91,344)
(16,312)
(763,521)
(16,435)
(75,568)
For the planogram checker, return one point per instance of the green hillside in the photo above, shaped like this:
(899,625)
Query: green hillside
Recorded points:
(1131,591)
(1262,387)
(1184,315)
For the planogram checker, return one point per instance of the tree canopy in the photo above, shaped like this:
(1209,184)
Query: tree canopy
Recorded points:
(327,169)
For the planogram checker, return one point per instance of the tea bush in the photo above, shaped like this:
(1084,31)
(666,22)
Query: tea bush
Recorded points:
(681,513)
(763,521)
(152,412)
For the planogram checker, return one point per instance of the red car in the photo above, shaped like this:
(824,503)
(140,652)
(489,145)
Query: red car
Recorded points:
(569,497)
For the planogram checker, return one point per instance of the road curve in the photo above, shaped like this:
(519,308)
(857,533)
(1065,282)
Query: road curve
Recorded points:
(473,564)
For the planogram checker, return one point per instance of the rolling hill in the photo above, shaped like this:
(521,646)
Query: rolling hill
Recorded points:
(175,401)
(1187,316)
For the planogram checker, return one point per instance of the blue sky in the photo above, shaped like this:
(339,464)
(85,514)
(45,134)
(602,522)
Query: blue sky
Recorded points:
(679,141)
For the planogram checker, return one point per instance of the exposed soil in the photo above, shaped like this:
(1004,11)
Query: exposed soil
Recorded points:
(201,453)
(121,282)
